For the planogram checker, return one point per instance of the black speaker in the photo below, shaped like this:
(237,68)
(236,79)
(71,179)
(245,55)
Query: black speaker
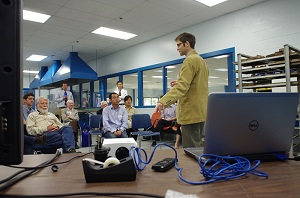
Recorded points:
(11,82)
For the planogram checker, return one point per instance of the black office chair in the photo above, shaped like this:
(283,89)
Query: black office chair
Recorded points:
(142,121)
(95,127)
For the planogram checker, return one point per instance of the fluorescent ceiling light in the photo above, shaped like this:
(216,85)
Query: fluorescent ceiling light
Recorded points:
(213,77)
(35,57)
(157,77)
(222,56)
(210,3)
(222,69)
(35,16)
(114,33)
(160,71)
(135,75)
(30,71)
(171,67)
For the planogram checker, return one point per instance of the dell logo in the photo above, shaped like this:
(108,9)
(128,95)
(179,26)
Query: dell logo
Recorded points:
(253,125)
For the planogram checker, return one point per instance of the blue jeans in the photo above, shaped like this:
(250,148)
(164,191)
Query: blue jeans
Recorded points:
(109,134)
(28,142)
(64,137)
(29,139)
(30,146)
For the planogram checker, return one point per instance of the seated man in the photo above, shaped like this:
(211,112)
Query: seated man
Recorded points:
(28,100)
(70,117)
(114,119)
(43,122)
(29,140)
(103,105)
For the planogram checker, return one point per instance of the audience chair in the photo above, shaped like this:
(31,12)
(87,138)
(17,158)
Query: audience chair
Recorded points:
(95,127)
(142,121)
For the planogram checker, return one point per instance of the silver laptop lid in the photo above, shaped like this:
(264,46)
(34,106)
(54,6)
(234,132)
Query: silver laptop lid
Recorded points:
(250,123)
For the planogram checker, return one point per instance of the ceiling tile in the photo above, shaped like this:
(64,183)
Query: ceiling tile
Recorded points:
(130,4)
(71,24)
(81,16)
(42,6)
(63,30)
(95,8)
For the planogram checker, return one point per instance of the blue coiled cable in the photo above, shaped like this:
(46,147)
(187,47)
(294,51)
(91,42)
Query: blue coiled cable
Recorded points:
(214,168)
(138,153)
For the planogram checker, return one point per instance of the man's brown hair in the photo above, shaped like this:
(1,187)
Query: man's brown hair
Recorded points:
(184,37)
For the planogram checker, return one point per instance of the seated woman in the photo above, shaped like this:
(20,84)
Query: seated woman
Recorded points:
(168,120)
(130,111)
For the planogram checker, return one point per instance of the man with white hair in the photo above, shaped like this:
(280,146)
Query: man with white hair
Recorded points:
(43,122)
(70,117)
(103,105)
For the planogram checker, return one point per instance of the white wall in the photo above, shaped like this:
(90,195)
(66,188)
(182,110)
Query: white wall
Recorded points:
(27,79)
(259,29)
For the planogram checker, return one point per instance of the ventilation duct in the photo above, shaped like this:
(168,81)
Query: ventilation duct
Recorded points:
(35,83)
(74,71)
(46,81)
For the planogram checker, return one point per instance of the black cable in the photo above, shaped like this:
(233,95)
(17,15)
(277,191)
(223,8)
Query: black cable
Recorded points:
(10,182)
(31,170)
(112,194)
(40,167)
(12,176)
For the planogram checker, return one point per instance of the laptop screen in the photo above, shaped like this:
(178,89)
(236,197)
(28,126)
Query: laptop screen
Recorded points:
(250,123)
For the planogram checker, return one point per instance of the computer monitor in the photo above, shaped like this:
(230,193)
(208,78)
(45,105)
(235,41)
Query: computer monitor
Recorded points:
(11,78)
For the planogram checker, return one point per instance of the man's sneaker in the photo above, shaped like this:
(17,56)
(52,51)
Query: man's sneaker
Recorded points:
(76,146)
(41,139)
(71,150)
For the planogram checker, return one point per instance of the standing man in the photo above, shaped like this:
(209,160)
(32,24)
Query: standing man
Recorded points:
(62,97)
(191,92)
(70,117)
(114,119)
(121,92)
(43,122)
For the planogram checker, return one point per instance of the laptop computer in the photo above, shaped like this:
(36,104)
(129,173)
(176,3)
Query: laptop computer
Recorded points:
(252,125)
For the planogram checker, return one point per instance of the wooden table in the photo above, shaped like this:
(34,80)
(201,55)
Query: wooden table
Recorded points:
(283,181)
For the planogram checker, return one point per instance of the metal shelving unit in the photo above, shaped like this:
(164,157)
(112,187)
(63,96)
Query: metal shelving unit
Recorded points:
(281,69)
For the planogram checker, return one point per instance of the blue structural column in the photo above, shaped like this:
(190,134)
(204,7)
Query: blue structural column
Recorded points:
(231,73)
(103,88)
(121,78)
(165,80)
(140,89)
(91,102)
(80,95)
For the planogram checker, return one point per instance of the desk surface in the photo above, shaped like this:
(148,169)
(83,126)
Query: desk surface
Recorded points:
(283,181)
